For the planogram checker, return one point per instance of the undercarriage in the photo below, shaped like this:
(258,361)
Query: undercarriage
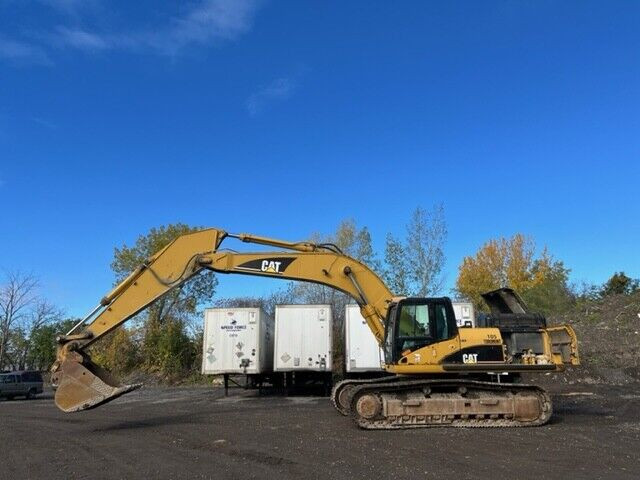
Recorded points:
(407,402)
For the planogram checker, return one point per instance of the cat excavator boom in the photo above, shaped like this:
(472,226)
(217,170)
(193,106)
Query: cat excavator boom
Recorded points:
(444,375)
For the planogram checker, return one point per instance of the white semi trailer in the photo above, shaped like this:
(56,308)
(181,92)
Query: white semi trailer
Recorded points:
(465,314)
(238,341)
(303,344)
(361,348)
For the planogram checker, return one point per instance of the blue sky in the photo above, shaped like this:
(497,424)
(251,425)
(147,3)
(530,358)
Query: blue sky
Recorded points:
(282,118)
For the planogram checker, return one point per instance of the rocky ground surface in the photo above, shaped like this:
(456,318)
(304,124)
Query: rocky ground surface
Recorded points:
(196,432)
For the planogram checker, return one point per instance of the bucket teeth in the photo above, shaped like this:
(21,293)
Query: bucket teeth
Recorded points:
(83,385)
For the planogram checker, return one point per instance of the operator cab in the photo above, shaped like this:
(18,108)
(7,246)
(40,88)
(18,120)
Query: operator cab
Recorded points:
(413,323)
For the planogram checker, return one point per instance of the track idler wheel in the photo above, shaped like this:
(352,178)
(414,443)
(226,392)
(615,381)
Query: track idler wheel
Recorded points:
(368,406)
(341,396)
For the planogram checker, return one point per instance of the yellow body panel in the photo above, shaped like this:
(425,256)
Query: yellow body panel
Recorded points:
(429,359)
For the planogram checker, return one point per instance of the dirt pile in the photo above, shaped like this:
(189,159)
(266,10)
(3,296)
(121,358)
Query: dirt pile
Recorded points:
(608,332)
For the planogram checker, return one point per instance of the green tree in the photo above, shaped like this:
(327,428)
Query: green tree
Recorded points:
(167,348)
(542,281)
(118,351)
(23,313)
(364,250)
(42,352)
(165,322)
(498,263)
(181,302)
(414,266)
(552,293)
(18,347)
(396,271)
(620,284)
(426,236)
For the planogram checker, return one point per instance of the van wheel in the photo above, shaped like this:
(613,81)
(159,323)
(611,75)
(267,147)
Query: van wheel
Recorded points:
(9,397)
(31,393)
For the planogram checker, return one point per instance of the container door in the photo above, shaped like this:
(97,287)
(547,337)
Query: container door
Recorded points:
(322,360)
(239,333)
(231,341)
(251,343)
(212,354)
(311,327)
(289,335)
(264,339)
(303,339)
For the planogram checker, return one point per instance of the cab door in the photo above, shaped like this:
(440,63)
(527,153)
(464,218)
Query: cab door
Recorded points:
(427,324)
(447,340)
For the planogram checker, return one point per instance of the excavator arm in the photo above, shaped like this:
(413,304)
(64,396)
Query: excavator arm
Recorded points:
(82,384)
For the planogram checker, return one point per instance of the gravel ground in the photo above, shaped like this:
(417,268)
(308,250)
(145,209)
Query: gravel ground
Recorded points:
(198,433)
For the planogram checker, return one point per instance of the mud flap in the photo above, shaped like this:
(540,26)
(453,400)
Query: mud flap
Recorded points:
(564,343)
(83,385)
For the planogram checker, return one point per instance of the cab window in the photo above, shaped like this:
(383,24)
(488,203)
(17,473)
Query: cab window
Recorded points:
(442,322)
(414,321)
(389,335)
(414,327)
(9,379)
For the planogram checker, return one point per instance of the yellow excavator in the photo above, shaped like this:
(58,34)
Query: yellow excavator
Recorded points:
(442,375)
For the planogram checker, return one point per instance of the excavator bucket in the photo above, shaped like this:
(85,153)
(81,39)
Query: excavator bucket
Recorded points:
(83,385)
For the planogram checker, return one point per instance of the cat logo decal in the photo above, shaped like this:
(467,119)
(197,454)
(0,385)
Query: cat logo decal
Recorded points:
(274,265)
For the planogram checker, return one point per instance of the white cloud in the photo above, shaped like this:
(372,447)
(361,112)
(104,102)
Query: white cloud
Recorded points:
(80,39)
(203,24)
(214,19)
(279,89)
(21,53)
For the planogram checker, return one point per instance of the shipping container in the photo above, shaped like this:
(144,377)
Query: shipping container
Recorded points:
(465,314)
(237,341)
(362,352)
(303,339)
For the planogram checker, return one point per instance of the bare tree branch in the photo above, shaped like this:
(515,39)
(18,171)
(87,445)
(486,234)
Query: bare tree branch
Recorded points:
(17,295)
